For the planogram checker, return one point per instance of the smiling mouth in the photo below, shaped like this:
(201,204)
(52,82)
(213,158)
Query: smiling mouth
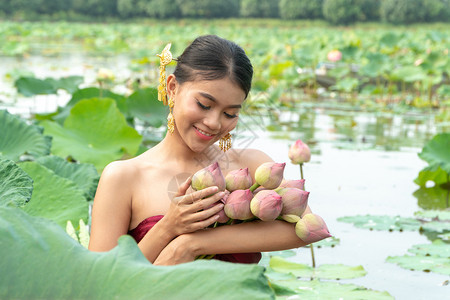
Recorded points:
(203,132)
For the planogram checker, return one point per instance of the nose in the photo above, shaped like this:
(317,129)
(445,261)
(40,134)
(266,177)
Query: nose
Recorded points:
(212,121)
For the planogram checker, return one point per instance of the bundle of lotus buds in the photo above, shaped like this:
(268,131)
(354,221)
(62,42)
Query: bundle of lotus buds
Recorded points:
(267,199)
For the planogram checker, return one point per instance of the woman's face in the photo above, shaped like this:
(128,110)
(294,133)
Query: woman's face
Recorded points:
(205,110)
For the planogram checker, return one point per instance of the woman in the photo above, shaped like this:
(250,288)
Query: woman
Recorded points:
(206,91)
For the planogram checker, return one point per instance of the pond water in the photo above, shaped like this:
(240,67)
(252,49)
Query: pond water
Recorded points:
(362,163)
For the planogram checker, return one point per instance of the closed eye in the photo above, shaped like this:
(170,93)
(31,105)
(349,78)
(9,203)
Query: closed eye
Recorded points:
(230,116)
(203,106)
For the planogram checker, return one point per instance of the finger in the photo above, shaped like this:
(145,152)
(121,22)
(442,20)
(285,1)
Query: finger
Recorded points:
(207,213)
(195,196)
(205,223)
(207,202)
(184,187)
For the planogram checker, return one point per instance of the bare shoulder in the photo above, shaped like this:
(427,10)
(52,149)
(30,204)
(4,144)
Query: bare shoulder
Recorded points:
(251,158)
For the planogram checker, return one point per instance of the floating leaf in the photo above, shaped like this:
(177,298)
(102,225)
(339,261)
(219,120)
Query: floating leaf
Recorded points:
(266,256)
(437,248)
(383,222)
(144,105)
(30,86)
(443,215)
(337,271)
(316,289)
(84,175)
(54,197)
(328,242)
(17,138)
(436,226)
(35,246)
(422,263)
(15,185)
(436,152)
(94,132)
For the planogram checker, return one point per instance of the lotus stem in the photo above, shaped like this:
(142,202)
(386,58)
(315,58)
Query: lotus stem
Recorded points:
(254,187)
(313,258)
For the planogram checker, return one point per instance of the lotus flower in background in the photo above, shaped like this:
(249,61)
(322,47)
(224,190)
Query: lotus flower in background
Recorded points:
(237,205)
(298,184)
(238,180)
(266,205)
(311,228)
(294,201)
(270,174)
(299,153)
(105,75)
(209,176)
(334,55)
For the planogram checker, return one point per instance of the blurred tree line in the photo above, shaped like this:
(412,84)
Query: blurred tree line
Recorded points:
(339,12)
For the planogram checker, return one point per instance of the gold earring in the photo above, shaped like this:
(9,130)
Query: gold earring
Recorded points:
(164,59)
(225,142)
(170,118)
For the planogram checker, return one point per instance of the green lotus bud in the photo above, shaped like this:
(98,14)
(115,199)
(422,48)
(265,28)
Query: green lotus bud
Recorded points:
(290,218)
(270,174)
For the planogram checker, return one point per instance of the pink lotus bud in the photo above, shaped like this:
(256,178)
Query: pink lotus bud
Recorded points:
(237,205)
(209,176)
(334,55)
(238,180)
(298,184)
(261,188)
(266,205)
(299,153)
(311,228)
(270,174)
(294,201)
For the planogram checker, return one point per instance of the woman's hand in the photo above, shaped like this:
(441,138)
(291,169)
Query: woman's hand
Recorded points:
(176,252)
(194,211)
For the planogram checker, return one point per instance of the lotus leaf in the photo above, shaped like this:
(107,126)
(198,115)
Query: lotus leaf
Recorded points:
(267,255)
(94,132)
(18,138)
(54,197)
(35,246)
(437,248)
(432,173)
(316,289)
(383,222)
(337,271)
(84,175)
(436,152)
(30,86)
(422,263)
(15,185)
(328,242)
(442,215)
(436,226)
(144,105)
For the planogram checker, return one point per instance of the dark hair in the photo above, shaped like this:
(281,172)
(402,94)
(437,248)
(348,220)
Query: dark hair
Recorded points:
(211,57)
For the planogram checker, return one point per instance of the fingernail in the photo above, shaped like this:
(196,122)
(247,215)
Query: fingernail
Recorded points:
(221,205)
(215,188)
(221,194)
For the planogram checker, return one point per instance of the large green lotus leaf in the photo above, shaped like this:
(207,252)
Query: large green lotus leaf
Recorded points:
(144,105)
(42,262)
(337,271)
(94,132)
(383,222)
(17,138)
(54,197)
(84,175)
(15,185)
(437,248)
(442,215)
(328,290)
(422,263)
(30,86)
(432,198)
(436,151)
(437,175)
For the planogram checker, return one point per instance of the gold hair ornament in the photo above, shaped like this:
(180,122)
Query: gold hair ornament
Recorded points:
(165,58)
(225,142)
(170,118)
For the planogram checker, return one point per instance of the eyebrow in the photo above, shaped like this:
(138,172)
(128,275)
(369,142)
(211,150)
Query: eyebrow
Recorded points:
(210,97)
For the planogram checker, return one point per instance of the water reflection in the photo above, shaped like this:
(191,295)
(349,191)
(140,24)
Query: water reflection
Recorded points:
(432,198)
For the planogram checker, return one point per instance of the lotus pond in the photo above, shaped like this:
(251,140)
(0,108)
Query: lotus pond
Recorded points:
(390,234)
